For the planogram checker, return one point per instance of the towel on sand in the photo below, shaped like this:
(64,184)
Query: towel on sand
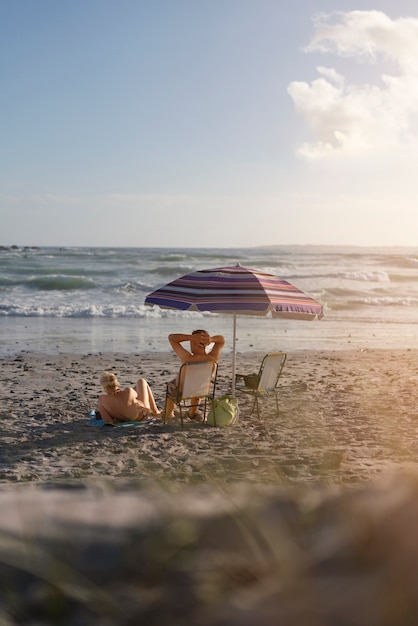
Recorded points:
(93,421)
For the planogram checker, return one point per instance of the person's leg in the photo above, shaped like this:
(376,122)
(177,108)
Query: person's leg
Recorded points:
(169,408)
(169,402)
(195,402)
(146,396)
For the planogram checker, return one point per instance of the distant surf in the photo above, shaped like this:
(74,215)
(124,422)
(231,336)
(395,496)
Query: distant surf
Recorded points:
(371,291)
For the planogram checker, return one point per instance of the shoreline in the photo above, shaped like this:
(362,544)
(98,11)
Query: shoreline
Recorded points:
(130,335)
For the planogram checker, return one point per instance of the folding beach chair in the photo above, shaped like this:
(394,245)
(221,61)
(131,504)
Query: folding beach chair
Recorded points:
(264,383)
(197,379)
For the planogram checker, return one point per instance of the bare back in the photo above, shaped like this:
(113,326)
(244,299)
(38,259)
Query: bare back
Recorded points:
(123,406)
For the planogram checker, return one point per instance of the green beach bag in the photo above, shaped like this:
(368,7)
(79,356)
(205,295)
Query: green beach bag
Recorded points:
(223,412)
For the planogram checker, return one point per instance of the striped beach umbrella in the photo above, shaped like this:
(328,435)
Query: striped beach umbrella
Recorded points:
(236,290)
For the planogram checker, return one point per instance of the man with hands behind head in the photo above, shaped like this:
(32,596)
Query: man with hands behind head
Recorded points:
(199,342)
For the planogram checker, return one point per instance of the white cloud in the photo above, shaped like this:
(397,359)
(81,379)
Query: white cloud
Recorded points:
(367,35)
(352,119)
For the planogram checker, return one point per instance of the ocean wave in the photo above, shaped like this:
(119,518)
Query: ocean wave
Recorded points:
(126,288)
(6,282)
(171,257)
(389,301)
(175,271)
(97,311)
(371,276)
(373,301)
(354,275)
(402,261)
(57,282)
(218,255)
(196,256)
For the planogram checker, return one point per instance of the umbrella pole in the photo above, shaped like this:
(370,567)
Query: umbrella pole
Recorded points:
(234,354)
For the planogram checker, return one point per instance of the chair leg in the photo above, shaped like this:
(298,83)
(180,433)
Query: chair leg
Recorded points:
(165,411)
(258,407)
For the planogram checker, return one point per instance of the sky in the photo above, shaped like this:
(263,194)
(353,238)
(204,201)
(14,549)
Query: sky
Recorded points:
(208,123)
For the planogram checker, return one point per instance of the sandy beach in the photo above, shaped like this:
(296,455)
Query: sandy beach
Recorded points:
(347,432)
(345,417)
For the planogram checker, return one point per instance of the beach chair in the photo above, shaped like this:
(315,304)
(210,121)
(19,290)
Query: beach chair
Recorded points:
(197,379)
(264,383)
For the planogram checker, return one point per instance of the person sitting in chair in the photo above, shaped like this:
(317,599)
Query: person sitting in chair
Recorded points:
(199,340)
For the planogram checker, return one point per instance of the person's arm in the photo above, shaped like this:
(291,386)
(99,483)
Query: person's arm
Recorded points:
(107,418)
(176,340)
(219,342)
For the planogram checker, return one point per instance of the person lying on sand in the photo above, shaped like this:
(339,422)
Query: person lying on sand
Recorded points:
(126,405)
(199,342)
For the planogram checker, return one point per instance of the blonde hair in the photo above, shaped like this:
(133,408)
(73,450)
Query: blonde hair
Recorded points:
(109,381)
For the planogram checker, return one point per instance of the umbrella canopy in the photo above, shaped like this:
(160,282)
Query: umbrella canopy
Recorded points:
(236,290)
